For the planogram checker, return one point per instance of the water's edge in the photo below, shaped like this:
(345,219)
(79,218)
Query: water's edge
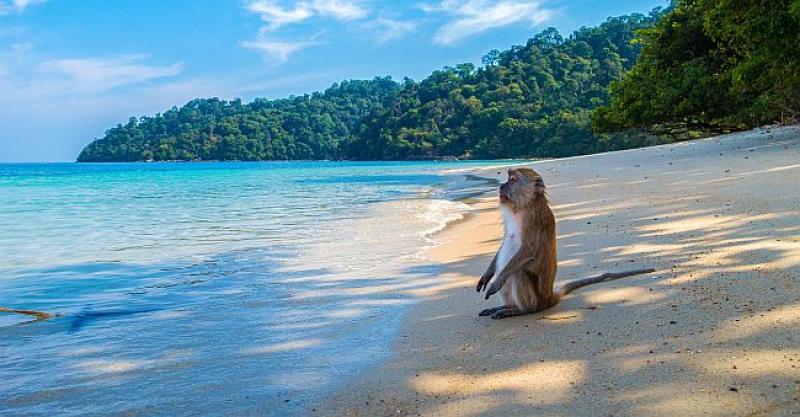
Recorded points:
(231,314)
(464,186)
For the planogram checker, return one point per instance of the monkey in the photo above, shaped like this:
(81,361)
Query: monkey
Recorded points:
(524,268)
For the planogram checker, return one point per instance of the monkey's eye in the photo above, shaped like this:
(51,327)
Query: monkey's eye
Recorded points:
(512,178)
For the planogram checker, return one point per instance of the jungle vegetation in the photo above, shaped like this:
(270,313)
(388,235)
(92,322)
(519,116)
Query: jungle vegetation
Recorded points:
(532,100)
(635,80)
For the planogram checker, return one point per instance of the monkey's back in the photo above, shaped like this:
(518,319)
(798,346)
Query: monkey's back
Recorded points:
(534,286)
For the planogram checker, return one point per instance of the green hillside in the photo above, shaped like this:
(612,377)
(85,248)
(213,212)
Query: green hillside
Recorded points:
(533,100)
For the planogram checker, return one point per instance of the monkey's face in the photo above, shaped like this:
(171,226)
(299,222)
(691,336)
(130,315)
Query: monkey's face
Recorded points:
(511,187)
(521,186)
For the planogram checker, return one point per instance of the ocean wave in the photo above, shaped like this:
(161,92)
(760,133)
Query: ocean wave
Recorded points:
(438,214)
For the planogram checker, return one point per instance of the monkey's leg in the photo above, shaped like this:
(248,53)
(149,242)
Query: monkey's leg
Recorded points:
(490,311)
(508,312)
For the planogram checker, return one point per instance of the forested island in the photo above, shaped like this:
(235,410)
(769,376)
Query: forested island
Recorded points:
(636,80)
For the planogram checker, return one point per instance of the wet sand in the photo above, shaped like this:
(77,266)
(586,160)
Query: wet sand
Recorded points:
(715,331)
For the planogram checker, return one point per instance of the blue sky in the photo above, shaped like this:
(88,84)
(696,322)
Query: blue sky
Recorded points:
(70,69)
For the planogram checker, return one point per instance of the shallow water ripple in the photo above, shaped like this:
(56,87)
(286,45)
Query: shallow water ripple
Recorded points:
(205,289)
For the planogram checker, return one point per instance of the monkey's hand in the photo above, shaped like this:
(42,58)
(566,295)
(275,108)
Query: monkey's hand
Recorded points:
(496,286)
(484,280)
(516,263)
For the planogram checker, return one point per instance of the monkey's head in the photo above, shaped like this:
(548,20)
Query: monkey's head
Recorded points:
(522,188)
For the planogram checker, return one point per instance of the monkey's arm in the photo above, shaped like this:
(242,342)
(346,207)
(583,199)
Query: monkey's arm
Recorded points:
(517,262)
(487,276)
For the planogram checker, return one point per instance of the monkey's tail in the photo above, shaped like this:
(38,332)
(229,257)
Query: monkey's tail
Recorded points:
(608,276)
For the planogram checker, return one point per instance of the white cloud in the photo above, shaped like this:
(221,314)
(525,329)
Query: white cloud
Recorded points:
(276,16)
(476,16)
(16,6)
(24,73)
(101,73)
(342,10)
(390,29)
(276,51)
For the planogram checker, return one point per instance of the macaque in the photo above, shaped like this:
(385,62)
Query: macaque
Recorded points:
(524,269)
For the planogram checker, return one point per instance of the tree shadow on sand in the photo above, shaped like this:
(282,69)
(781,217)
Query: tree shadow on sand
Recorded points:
(713,332)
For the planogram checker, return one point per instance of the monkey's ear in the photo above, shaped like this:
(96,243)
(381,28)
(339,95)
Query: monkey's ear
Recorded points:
(538,186)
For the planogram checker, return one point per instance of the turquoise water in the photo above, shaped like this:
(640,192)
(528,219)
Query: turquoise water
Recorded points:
(209,288)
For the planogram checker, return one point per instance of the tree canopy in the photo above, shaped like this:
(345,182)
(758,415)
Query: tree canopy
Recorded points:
(533,100)
(304,127)
(530,100)
(712,63)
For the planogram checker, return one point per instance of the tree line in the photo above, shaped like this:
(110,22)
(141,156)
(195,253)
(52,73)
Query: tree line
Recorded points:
(532,100)
(698,65)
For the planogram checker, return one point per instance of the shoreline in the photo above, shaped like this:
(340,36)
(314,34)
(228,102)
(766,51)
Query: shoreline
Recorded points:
(699,336)
(308,300)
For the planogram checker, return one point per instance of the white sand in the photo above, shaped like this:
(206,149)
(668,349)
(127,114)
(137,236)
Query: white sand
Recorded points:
(716,331)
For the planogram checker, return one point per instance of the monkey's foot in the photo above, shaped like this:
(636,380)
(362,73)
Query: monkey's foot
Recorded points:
(490,311)
(507,312)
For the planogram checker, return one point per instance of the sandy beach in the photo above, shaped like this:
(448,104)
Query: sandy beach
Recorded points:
(715,331)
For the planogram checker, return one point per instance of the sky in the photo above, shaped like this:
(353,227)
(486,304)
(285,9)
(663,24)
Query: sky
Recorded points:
(71,69)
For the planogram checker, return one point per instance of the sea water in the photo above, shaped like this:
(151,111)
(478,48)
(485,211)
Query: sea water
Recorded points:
(207,288)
